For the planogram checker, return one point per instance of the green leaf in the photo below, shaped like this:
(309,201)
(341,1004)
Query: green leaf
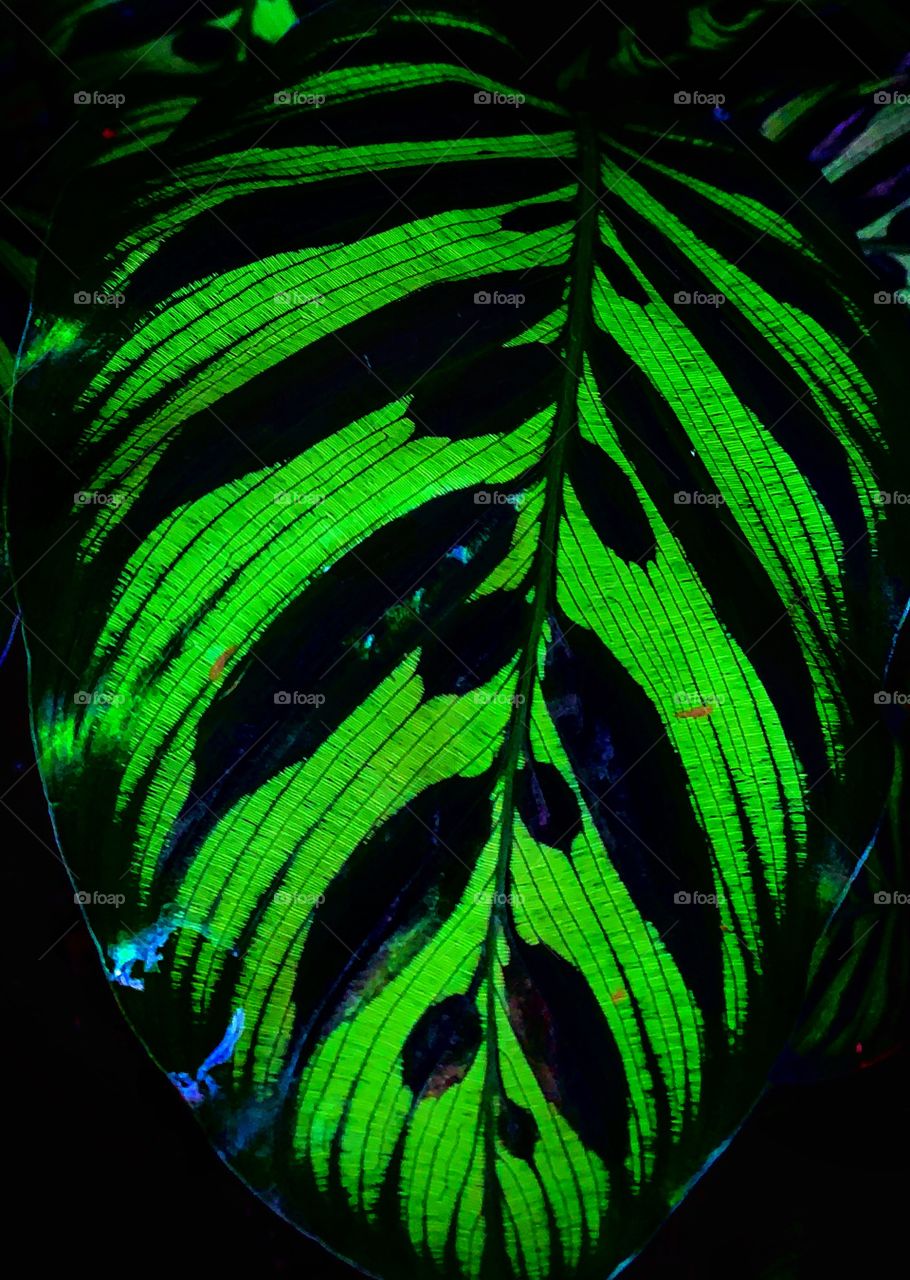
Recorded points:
(465,569)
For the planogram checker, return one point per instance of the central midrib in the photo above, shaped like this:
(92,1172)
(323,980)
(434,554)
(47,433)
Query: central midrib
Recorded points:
(543,571)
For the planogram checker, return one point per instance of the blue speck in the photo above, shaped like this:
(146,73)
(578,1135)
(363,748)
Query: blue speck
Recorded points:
(721,114)
(461,554)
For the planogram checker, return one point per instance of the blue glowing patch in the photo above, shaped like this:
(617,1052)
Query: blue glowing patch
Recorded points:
(196,1089)
(141,948)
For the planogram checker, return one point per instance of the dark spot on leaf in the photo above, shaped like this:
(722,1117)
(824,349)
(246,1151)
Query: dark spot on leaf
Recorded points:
(441,1047)
(481,391)
(611,504)
(548,806)
(537,217)
(620,276)
(569,1046)
(474,642)
(518,1130)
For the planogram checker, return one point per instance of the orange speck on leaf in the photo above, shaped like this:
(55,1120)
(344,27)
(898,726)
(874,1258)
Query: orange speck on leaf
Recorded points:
(217,669)
(691,713)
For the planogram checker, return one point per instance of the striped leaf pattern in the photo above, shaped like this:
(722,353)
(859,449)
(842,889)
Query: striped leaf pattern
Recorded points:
(474,566)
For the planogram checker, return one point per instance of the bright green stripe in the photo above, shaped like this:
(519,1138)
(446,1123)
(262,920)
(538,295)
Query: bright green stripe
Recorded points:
(237,323)
(660,623)
(818,356)
(787,527)
(211,183)
(750,211)
(516,564)
(581,909)
(443,1172)
(386,752)
(548,330)
(367,475)
(358,1064)
(437,18)
(348,84)
(574,1179)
